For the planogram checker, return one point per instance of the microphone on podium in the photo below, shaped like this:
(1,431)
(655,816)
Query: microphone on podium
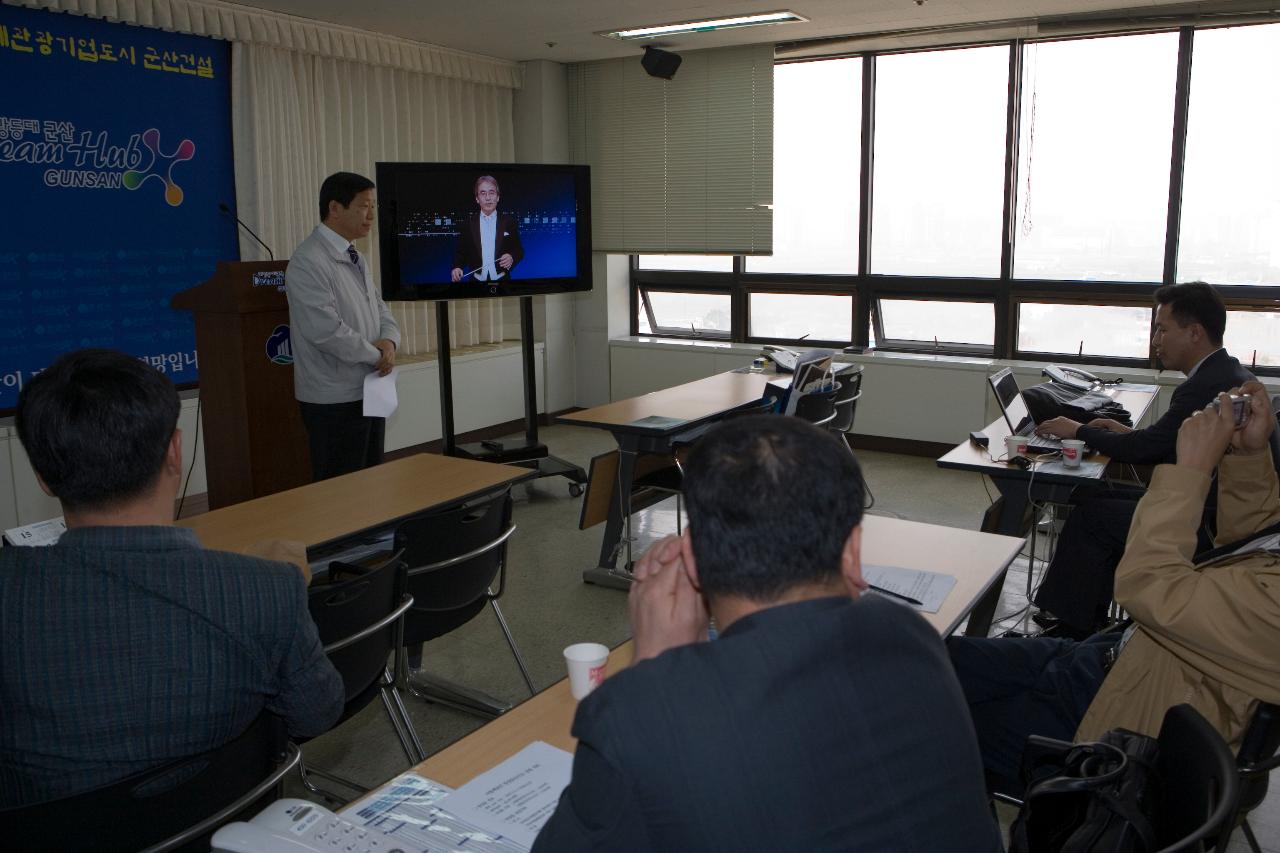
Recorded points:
(222,206)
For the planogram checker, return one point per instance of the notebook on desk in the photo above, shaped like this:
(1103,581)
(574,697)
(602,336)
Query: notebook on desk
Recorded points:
(1016,415)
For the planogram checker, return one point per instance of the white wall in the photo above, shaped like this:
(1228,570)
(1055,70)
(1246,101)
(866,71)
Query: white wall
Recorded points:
(598,317)
(488,388)
(541,117)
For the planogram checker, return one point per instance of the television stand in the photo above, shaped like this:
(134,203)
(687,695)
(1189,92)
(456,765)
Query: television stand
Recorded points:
(528,452)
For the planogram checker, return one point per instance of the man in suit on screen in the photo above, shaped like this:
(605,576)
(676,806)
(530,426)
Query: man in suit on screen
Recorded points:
(819,719)
(489,245)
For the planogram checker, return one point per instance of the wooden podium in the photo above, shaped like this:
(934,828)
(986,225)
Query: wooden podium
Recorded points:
(254,440)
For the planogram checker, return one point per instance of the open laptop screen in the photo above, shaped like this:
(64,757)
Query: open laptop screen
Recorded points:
(1010,398)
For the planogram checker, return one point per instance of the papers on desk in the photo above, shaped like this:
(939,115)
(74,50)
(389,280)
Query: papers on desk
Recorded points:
(500,811)
(518,796)
(380,394)
(657,422)
(1056,466)
(407,810)
(38,534)
(930,588)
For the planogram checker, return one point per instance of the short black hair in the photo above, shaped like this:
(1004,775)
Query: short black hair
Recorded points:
(342,187)
(96,425)
(1196,302)
(772,501)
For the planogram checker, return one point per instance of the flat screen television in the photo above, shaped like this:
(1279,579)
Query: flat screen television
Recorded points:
(473,230)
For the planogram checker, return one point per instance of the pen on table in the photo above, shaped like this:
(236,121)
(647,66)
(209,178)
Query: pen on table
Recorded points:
(908,599)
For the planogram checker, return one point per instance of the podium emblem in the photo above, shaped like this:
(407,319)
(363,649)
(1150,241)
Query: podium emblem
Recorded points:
(279,348)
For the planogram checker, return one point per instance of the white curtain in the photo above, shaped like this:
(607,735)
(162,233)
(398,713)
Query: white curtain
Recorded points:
(298,117)
(310,98)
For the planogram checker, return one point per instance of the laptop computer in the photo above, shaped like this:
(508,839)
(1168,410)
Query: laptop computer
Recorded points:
(1009,398)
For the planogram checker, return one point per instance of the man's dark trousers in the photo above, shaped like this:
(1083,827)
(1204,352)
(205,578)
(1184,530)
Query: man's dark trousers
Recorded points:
(342,439)
(1020,687)
(1080,581)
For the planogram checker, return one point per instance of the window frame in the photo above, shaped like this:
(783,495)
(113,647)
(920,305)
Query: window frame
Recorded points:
(1004,292)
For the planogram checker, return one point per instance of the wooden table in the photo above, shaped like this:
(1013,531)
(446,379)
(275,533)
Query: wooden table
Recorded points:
(690,406)
(976,560)
(1019,489)
(329,511)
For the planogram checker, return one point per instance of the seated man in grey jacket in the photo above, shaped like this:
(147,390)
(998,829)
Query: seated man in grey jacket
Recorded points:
(125,645)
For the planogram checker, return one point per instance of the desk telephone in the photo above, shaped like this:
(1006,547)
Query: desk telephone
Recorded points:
(297,826)
(784,358)
(1072,377)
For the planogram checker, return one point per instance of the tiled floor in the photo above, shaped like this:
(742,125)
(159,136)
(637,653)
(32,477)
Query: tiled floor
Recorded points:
(548,606)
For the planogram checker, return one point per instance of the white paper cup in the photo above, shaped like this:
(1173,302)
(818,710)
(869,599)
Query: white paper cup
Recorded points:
(1016,445)
(1072,452)
(586,663)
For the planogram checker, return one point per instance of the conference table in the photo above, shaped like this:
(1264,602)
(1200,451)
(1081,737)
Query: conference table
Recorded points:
(368,501)
(650,423)
(975,559)
(1044,482)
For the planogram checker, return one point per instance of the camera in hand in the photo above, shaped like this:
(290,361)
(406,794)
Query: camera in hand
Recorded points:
(1239,408)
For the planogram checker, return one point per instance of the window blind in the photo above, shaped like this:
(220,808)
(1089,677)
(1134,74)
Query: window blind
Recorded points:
(682,165)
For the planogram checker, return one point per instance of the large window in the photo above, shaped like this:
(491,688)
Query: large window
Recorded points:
(1022,200)
(801,316)
(817,121)
(1084,330)
(1093,160)
(1231,192)
(703,263)
(934,323)
(939,162)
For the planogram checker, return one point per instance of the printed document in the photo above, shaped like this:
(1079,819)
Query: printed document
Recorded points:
(931,588)
(380,394)
(517,797)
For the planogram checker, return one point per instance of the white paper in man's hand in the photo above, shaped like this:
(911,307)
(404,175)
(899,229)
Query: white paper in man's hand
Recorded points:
(380,394)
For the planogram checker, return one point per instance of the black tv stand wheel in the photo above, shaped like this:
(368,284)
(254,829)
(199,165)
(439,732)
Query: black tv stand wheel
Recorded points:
(575,490)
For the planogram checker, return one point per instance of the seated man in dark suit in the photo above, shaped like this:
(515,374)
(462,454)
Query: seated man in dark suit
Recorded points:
(820,719)
(1206,630)
(1189,323)
(125,645)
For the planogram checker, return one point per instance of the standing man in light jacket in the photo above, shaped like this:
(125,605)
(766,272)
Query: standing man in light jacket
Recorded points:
(341,330)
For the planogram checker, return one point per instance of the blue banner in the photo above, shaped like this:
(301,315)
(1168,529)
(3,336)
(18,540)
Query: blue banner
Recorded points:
(115,154)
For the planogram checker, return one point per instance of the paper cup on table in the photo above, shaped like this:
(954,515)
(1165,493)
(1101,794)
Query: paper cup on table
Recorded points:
(1016,446)
(1072,452)
(586,663)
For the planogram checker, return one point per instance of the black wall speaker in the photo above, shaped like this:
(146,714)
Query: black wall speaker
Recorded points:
(660,63)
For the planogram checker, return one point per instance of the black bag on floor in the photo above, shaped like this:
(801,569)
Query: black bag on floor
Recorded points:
(1089,797)
(1050,400)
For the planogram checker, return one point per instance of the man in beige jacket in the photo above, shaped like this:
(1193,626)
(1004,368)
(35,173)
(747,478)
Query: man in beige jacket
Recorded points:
(1205,631)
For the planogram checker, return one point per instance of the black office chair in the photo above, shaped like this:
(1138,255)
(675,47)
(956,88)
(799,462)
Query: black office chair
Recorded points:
(819,407)
(846,404)
(174,807)
(359,614)
(1198,782)
(1254,762)
(454,558)
(1195,776)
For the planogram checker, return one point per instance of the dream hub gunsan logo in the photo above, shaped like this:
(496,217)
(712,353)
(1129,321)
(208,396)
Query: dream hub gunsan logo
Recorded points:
(161,166)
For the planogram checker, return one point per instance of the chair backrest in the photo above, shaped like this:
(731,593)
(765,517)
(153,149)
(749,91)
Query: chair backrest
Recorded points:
(1258,748)
(846,401)
(150,808)
(345,613)
(454,556)
(818,407)
(1198,781)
